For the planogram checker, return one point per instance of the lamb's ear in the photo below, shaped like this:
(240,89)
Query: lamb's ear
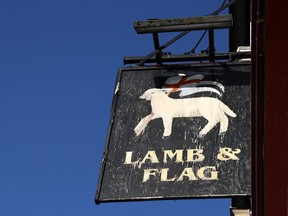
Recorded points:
(147,95)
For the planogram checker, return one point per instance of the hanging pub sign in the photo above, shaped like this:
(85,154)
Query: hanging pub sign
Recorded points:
(178,132)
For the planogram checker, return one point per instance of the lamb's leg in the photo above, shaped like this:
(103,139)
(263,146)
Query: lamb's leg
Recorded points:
(207,128)
(167,122)
(223,127)
(143,124)
(223,124)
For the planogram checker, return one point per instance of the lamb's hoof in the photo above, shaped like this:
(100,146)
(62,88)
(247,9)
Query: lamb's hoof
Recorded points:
(194,141)
(165,137)
(201,136)
(221,137)
(136,138)
(138,132)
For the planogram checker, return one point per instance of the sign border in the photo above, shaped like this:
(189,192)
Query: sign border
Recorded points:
(111,121)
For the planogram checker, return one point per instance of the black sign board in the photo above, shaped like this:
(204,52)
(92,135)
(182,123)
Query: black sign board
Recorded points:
(178,132)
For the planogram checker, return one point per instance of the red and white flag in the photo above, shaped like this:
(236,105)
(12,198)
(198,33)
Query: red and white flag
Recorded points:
(191,85)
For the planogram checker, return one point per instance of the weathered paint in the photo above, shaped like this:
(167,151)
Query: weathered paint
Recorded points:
(212,109)
(183,164)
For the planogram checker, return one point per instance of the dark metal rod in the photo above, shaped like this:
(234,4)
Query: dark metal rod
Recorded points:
(156,47)
(199,41)
(189,57)
(182,34)
(211,46)
(213,13)
(223,7)
(163,46)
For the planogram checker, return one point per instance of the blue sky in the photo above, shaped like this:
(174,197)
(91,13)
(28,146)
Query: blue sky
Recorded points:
(58,65)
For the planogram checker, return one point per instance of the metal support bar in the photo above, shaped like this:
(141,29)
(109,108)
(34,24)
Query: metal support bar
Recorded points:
(182,34)
(211,46)
(230,56)
(241,206)
(183,24)
(157,47)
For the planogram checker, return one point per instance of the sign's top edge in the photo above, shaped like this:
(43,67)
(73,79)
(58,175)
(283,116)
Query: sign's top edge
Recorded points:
(175,66)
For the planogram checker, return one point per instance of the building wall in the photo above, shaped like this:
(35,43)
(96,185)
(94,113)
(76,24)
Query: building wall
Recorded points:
(270,108)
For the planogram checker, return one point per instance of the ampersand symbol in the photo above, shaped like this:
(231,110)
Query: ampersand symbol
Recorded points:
(228,154)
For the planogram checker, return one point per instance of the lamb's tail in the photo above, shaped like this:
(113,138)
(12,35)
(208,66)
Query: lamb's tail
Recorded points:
(228,111)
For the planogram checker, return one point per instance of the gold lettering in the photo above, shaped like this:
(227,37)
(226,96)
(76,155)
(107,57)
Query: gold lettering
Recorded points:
(228,154)
(164,175)
(195,155)
(151,155)
(207,173)
(148,173)
(128,157)
(178,153)
(187,172)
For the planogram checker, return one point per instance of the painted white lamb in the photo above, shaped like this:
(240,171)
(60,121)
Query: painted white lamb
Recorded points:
(168,108)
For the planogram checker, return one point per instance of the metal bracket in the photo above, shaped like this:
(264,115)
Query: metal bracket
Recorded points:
(229,56)
(155,26)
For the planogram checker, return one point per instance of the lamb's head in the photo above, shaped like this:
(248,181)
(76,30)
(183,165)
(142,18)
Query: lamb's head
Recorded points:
(152,92)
